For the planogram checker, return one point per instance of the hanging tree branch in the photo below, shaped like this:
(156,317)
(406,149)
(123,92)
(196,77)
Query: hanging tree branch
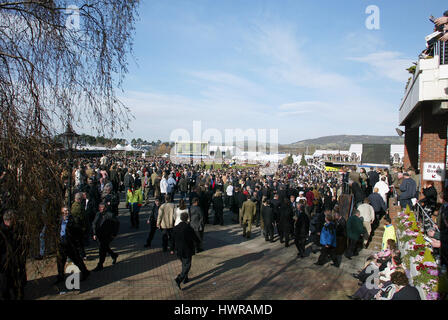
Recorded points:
(49,71)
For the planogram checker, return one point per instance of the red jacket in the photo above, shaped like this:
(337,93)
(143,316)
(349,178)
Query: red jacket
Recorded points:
(309,198)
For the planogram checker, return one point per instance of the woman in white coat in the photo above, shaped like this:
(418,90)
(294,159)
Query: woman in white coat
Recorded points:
(178,212)
(383,188)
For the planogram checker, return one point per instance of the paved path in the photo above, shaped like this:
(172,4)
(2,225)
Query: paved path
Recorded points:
(231,267)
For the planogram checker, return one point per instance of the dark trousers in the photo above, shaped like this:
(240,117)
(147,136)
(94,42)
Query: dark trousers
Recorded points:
(327,252)
(406,202)
(277,226)
(134,210)
(363,275)
(69,250)
(80,247)
(186,266)
(283,232)
(269,231)
(300,244)
(205,211)
(7,287)
(378,216)
(219,219)
(167,239)
(199,245)
(104,245)
(257,217)
(352,247)
(152,232)
(226,201)
(12,283)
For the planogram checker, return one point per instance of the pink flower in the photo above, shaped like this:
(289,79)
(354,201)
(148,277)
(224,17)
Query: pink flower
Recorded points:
(430,264)
(433,296)
(433,272)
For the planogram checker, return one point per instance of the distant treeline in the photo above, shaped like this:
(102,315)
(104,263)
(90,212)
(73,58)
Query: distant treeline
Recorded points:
(85,139)
(100,141)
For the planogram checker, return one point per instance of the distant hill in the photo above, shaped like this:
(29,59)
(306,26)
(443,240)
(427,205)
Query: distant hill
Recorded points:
(340,142)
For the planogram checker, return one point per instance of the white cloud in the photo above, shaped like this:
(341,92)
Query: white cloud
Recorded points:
(288,62)
(301,107)
(157,115)
(362,42)
(227,86)
(387,64)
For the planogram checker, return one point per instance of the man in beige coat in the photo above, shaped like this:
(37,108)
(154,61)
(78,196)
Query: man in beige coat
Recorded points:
(248,211)
(368,216)
(165,222)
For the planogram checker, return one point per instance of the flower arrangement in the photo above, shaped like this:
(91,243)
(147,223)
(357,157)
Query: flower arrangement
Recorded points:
(427,278)
(418,255)
(420,240)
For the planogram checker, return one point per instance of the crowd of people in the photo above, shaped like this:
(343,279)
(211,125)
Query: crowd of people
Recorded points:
(391,281)
(297,203)
(340,157)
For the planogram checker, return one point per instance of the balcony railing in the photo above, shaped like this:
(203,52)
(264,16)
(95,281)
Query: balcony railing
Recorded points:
(441,50)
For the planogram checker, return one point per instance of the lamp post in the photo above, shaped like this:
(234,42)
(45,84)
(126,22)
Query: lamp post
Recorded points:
(191,154)
(69,138)
(202,162)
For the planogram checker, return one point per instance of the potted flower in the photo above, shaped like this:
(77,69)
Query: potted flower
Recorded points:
(428,275)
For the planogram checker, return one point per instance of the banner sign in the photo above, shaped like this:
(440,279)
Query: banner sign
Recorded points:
(434,171)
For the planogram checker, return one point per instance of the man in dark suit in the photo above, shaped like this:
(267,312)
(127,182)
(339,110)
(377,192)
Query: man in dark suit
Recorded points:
(408,190)
(185,239)
(285,221)
(194,194)
(67,246)
(205,199)
(197,222)
(268,219)
(358,194)
(12,280)
(104,229)
(275,204)
(152,221)
(301,229)
(341,236)
(379,206)
(239,200)
(374,177)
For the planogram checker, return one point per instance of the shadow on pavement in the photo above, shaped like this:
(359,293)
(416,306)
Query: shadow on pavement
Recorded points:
(227,265)
(110,274)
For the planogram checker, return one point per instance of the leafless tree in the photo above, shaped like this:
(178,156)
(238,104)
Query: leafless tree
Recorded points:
(60,61)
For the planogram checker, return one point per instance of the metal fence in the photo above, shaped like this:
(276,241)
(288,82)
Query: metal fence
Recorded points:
(441,50)
(424,215)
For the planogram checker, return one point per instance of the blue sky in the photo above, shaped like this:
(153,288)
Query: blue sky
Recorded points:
(306,68)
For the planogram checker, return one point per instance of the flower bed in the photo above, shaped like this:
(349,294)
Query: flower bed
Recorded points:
(417,257)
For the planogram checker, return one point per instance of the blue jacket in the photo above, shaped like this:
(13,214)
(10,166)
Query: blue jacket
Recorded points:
(328,235)
(377,202)
(408,189)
